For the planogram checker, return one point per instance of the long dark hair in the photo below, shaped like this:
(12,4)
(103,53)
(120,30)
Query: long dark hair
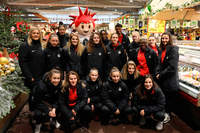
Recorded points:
(141,88)
(162,46)
(101,34)
(90,44)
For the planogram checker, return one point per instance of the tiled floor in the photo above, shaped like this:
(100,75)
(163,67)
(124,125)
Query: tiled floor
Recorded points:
(21,125)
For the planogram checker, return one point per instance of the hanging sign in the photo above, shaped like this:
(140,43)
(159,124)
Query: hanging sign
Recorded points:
(156,26)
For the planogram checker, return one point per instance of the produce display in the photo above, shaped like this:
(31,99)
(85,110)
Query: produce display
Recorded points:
(190,76)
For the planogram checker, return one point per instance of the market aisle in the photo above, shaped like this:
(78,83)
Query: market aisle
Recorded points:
(21,125)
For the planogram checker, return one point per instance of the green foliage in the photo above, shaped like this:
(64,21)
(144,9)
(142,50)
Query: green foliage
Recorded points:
(8,39)
(6,102)
(12,85)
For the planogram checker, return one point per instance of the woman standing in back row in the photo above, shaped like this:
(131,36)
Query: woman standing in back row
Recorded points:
(30,55)
(73,53)
(94,55)
(168,72)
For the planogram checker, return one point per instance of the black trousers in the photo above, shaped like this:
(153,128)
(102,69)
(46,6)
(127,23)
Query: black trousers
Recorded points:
(42,117)
(81,116)
(171,100)
(159,116)
(108,114)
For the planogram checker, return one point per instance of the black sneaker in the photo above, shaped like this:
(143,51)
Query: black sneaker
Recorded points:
(142,121)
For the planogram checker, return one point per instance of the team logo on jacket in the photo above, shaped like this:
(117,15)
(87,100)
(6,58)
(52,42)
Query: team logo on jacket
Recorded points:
(48,55)
(100,54)
(58,55)
(167,57)
(120,89)
(119,52)
(149,56)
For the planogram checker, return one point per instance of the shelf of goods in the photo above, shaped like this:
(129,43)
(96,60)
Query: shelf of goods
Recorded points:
(189,72)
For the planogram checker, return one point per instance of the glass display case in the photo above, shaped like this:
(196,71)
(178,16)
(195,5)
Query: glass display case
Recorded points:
(189,71)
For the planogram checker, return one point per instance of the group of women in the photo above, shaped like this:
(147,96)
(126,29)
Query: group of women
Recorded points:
(72,84)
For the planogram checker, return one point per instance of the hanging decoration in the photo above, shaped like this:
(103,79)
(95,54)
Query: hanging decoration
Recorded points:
(21,25)
(149,8)
(7,9)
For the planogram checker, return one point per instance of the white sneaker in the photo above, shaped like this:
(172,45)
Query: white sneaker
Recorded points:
(37,128)
(159,126)
(167,118)
(57,124)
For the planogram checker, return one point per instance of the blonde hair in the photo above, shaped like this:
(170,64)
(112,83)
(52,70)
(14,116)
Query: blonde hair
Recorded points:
(125,70)
(115,69)
(94,69)
(29,39)
(66,84)
(80,47)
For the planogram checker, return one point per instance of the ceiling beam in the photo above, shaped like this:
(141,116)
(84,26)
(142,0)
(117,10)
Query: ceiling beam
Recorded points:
(40,16)
(68,5)
(43,1)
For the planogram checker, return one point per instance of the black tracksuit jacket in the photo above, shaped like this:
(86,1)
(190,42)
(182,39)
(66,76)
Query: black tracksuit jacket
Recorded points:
(94,90)
(168,70)
(73,60)
(63,39)
(131,50)
(115,95)
(54,57)
(80,102)
(95,59)
(32,61)
(154,101)
(45,96)
(115,57)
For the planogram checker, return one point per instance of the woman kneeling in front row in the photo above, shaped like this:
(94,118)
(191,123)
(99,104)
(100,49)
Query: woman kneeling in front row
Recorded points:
(115,98)
(72,101)
(45,99)
(150,102)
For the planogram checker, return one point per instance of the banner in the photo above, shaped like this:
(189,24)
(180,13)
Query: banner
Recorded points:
(156,26)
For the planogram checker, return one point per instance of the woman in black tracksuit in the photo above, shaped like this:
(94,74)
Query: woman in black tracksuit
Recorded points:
(104,37)
(73,102)
(149,102)
(45,102)
(168,72)
(115,98)
(94,55)
(30,55)
(115,54)
(54,55)
(32,60)
(62,35)
(73,54)
(131,77)
(94,88)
